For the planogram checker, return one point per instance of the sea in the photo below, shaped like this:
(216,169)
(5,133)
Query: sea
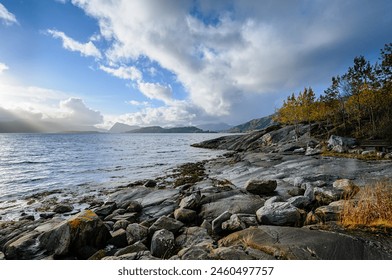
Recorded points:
(81,164)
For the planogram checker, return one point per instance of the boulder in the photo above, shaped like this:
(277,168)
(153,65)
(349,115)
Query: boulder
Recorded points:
(2,256)
(162,244)
(260,187)
(299,201)
(299,151)
(120,224)
(191,202)
(134,206)
(186,216)
(134,248)
(193,236)
(347,187)
(150,184)
(70,236)
(233,224)
(22,247)
(119,238)
(239,203)
(62,208)
(194,253)
(167,223)
(217,223)
(106,209)
(305,244)
(343,142)
(312,151)
(274,199)
(280,214)
(327,195)
(231,253)
(330,212)
(136,232)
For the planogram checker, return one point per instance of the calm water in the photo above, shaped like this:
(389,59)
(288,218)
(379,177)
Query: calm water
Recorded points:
(33,163)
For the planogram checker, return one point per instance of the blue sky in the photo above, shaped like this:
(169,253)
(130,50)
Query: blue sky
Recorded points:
(168,62)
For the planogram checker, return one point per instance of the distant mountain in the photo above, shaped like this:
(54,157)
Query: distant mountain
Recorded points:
(18,127)
(216,127)
(158,129)
(23,126)
(255,124)
(121,128)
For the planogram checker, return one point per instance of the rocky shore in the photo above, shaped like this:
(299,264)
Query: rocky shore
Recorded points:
(270,197)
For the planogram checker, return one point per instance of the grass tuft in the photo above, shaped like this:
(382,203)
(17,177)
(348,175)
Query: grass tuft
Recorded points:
(372,208)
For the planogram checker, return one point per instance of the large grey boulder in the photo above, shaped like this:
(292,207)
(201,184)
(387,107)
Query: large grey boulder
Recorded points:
(193,236)
(238,203)
(162,244)
(72,235)
(280,214)
(305,244)
(260,186)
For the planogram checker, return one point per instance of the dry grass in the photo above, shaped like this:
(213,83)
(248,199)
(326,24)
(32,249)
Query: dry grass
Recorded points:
(372,208)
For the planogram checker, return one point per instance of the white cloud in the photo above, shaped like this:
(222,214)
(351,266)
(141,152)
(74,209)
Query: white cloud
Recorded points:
(6,17)
(3,67)
(86,49)
(156,91)
(138,103)
(126,73)
(75,111)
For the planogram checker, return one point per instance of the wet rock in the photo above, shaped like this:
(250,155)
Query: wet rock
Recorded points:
(119,238)
(299,151)
(186,216)
(84,229)
(260,187)
(191,202)
(134,248)
(298,181)
(27,218)
(347,187)
(120,224)
(167,223)
(280,214)
(162,244)
(63,208)
(136,232)
(217,223)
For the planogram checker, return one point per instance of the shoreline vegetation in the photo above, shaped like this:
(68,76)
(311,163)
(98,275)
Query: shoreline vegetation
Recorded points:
(269,197)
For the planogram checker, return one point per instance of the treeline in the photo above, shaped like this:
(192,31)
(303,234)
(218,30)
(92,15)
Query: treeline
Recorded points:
(357,104)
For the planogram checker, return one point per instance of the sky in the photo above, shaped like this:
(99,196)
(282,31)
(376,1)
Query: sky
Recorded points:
(172,62)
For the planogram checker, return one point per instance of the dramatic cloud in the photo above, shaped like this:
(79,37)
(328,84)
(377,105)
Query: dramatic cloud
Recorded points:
(3,67)
(6,17)
(252,51)
(87,49)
